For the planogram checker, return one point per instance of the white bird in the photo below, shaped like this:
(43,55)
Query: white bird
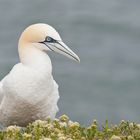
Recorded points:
(29,91)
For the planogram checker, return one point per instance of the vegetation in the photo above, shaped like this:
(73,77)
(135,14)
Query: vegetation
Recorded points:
(65,129)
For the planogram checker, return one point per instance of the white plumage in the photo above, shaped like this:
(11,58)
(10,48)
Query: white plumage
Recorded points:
(29,91)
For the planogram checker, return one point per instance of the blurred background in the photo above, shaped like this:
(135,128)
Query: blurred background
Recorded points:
(106,36)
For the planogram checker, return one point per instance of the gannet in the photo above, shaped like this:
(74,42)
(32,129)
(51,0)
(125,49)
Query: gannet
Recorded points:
(29,91)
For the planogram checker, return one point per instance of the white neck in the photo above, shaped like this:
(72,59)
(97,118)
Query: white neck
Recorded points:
(35,58)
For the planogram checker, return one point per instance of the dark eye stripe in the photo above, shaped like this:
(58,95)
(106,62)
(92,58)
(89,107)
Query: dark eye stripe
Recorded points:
(49,39)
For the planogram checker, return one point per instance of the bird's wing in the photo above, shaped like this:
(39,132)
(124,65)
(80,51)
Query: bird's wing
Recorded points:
(56,95)
(1,88)
(1,91)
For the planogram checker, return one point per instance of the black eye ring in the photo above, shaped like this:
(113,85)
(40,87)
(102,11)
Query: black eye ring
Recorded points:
(49,39)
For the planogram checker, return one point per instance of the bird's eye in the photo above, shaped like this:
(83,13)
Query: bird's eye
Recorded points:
(49,39)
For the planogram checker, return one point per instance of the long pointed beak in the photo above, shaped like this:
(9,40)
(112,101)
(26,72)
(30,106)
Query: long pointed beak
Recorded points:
(62,48)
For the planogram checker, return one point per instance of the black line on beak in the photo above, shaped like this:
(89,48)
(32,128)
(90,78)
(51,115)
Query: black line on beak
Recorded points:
(59,48)
(47,46)
(65,52)
(62,45)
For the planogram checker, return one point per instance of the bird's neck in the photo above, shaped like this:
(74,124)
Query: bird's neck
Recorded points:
(35,58)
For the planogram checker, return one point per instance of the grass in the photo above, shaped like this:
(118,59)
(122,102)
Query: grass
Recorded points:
(65,129)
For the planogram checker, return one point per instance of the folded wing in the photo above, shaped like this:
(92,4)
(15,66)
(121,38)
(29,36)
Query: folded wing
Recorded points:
(1,91)
(1,88)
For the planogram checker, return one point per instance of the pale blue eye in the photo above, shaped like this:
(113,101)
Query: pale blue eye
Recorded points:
(49,39)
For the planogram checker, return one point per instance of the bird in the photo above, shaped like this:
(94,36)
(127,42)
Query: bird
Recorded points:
(29,92)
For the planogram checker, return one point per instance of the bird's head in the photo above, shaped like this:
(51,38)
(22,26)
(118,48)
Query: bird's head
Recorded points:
(45,38)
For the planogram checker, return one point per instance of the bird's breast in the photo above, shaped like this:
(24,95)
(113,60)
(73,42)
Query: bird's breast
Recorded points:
(29,93)
(29,84)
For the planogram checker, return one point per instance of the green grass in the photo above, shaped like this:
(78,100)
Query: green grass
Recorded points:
(65,129)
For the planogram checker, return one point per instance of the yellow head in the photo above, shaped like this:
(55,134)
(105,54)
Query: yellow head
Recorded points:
(44,37)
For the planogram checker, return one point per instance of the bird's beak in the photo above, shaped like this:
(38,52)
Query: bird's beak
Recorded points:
(62,48)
